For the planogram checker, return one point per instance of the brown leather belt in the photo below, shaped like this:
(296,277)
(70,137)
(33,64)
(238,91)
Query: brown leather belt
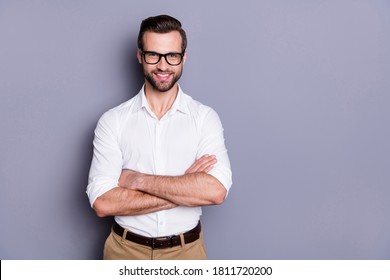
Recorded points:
(159,242)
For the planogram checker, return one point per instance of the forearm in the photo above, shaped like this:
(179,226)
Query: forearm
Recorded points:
(194,189)
(122,201)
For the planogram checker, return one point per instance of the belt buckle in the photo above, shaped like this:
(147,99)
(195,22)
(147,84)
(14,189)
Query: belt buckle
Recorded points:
(164,238)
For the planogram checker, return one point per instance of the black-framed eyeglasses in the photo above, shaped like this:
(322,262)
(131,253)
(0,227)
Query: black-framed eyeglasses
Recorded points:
(172,58)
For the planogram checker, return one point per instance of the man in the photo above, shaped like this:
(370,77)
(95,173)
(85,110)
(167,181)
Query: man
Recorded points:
(158,157)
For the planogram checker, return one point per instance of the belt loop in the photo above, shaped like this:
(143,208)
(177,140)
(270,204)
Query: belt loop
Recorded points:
(124,235)
(182,240)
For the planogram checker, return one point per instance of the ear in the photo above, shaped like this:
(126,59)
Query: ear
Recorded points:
(139,56)
(184,57)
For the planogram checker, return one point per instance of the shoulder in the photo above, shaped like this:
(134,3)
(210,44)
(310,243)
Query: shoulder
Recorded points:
(121,111)
(198,109)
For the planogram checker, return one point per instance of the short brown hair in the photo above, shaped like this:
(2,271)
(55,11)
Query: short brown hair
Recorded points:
(161,24)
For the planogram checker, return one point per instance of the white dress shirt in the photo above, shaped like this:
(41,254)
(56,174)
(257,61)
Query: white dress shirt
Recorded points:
(130,136)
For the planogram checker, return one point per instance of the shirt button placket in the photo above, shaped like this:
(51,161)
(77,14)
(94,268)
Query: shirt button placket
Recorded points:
(160,171)
(159,167)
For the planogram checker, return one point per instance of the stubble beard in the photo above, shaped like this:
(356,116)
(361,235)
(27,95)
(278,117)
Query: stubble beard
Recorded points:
(162,86)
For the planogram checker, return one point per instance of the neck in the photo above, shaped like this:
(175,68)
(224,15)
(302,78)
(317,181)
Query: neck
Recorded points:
(160,102)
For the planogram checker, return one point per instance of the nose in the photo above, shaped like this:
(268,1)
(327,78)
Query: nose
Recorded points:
(163,64)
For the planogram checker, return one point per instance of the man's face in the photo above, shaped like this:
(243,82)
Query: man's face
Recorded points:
(162,76)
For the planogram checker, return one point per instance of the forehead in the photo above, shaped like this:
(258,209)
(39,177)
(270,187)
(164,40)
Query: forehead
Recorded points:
(162,42)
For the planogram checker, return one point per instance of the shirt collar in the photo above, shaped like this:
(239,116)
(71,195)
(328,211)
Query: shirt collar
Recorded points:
(180,103)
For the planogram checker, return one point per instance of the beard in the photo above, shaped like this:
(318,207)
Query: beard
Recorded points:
(162,86)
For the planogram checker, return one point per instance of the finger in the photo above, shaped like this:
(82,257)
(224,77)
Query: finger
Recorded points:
(202,164)
(209,168)
(194,167)
(206,166)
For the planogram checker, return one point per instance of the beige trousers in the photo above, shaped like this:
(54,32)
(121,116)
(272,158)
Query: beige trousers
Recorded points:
(119,248)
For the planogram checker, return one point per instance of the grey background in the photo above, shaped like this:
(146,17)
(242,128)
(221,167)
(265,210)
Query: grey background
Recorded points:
(302,88)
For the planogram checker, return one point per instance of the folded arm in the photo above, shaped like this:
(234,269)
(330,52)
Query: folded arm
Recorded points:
(121,201)
(126,199)
(194,188)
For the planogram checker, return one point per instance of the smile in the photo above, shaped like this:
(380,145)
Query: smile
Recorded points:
(163,76)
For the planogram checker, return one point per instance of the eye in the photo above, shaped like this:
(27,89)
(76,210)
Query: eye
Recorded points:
(151,55)
(173,55)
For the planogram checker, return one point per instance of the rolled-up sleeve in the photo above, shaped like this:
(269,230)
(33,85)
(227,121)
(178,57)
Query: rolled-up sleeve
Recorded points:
(107,160)
(213,143)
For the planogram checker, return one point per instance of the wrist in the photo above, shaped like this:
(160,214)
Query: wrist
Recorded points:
(139,181)
(131,179)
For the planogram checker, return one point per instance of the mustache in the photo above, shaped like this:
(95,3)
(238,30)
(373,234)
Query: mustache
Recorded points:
(162,72)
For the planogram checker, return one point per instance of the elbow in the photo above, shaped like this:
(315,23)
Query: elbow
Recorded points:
(100,208)
(219,192)
(219,195)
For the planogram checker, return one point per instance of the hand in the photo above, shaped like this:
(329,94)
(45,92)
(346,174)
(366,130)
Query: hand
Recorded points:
(203,164)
